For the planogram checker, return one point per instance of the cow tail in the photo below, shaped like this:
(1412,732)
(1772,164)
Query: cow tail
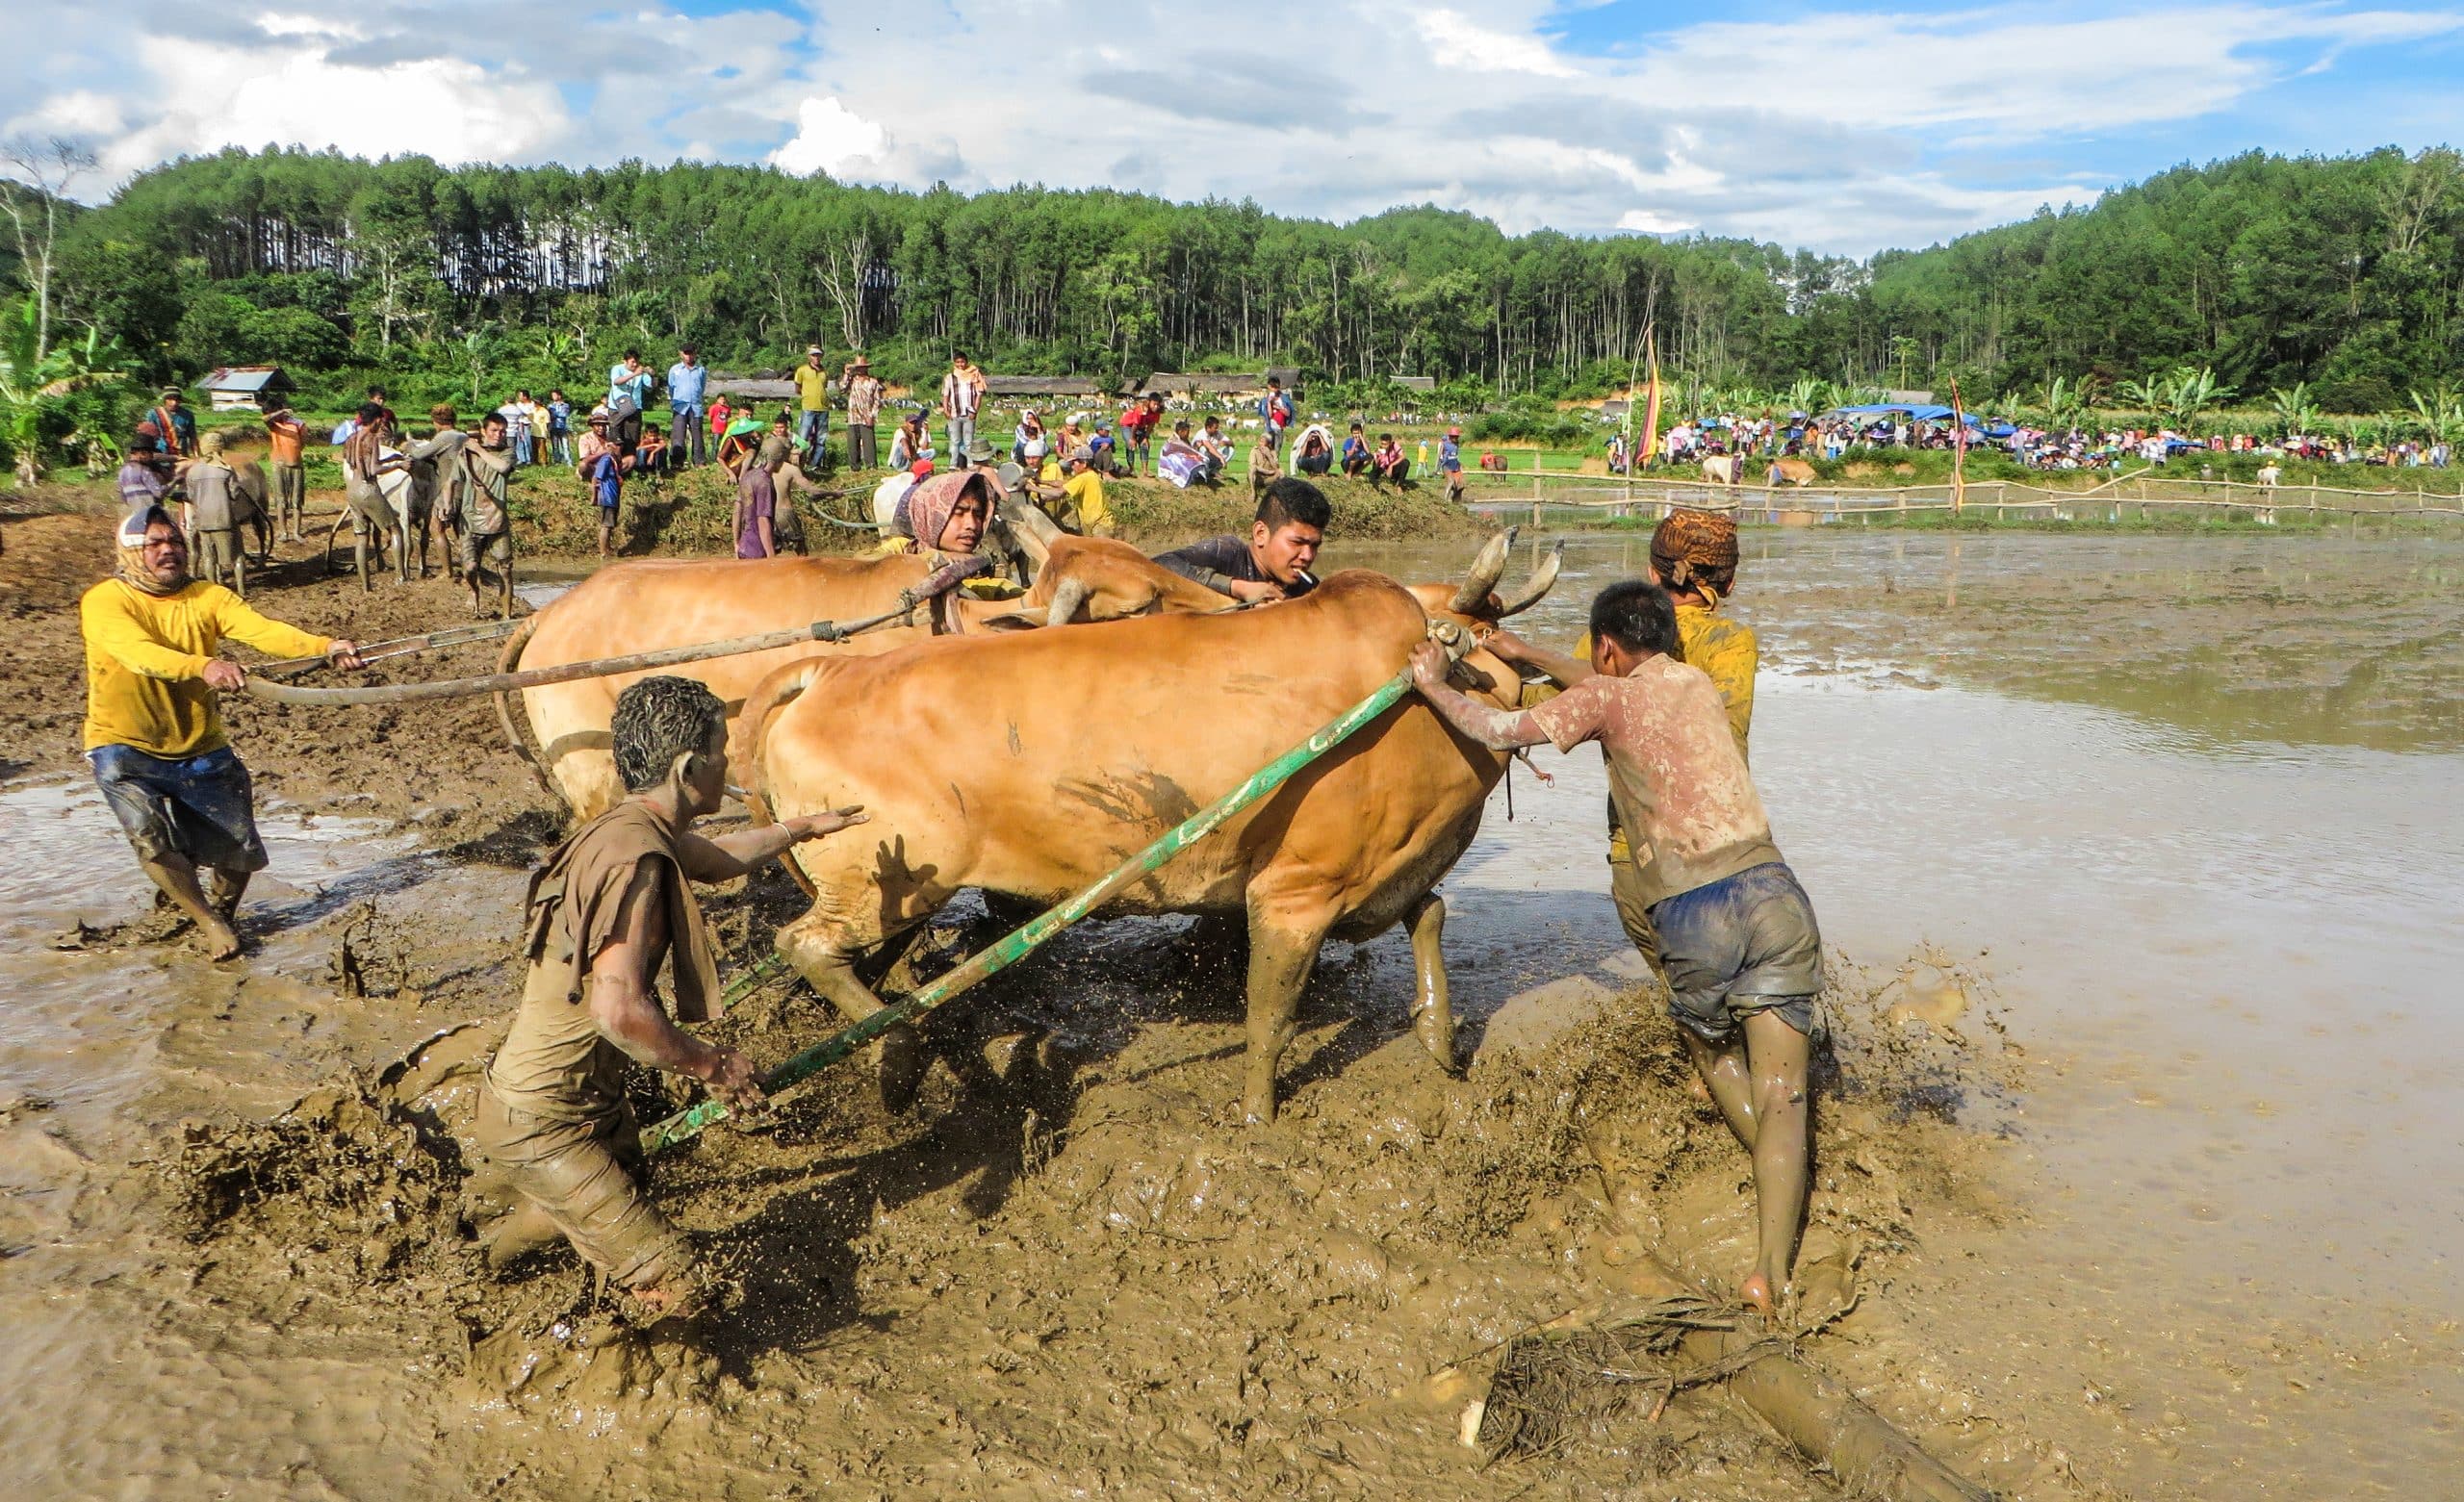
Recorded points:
(507,660)
(752,725)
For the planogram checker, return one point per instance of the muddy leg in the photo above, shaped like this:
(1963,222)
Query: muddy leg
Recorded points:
(1280,959)
(1778,1053)
(899,1055)
(177,875)
(1432,1011)
(1723,1071)
(224,889)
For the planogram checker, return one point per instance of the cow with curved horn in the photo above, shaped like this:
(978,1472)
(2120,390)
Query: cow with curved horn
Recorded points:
(1031,764)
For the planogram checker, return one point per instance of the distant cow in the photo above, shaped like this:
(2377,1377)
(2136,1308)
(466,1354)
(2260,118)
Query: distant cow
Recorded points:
(1722,468)
(1791,471)
(2269,475)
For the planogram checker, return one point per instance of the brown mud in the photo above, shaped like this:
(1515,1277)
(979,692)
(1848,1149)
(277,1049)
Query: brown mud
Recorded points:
(1072,1269)
(230,1248)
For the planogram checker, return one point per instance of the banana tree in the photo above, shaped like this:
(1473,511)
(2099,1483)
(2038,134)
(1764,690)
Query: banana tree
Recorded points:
(2191,393)
(2439,412)
(46,395)
(2152,395)
(2290,406)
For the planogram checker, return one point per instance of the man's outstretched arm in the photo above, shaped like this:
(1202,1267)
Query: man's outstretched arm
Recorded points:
(1498,729)
(627,1011)
(724,858)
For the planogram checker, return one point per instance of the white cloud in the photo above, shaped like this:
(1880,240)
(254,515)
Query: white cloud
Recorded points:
(1837,130)
(829,137)
(1460,43)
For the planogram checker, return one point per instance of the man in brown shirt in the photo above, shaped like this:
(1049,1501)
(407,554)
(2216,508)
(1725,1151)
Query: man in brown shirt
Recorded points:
(1737,938)
(559,1151)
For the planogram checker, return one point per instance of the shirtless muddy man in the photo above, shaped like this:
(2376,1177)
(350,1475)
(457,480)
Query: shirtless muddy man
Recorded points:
(559,1151)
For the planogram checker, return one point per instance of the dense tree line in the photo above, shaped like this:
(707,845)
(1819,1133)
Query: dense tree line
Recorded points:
(2342,272)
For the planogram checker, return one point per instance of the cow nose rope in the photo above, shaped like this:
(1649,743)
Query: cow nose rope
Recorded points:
(1034,934)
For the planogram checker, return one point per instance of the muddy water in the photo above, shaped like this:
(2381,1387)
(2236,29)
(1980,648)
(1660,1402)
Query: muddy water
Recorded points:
(2180,809)
(2191,804)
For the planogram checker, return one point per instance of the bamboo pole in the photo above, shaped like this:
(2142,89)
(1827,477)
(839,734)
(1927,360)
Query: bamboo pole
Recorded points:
(1034,934)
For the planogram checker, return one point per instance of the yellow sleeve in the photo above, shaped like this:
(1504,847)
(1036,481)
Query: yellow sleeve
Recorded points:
(234,620)
(111,624)
(1732,657)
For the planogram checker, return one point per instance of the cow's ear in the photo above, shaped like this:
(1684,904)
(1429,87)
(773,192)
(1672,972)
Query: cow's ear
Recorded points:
(1024,619)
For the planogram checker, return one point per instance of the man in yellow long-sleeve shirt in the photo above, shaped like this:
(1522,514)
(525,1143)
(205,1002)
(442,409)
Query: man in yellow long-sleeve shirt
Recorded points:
(153,725)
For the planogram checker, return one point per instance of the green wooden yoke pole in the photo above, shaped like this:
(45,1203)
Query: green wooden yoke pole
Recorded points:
(1027,939)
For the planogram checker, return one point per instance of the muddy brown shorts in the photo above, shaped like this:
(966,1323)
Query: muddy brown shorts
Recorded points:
(1744,944)
(217,555)
(1625,890)
(202,808)
(495,547)
(587,1177)
(370,512)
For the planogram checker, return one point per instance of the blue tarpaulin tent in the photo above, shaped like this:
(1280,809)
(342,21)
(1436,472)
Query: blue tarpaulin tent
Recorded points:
(1912,413)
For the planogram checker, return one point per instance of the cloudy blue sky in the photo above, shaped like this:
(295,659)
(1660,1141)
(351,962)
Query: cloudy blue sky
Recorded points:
(1839,129)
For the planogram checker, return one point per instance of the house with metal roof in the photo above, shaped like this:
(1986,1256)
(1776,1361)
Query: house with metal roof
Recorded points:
(234,387)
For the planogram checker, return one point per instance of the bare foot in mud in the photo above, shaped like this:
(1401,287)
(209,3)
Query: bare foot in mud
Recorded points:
(219,940)
(1755,1294)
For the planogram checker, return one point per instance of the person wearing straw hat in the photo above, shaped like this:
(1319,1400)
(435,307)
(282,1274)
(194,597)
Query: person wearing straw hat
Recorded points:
(864,391)
(153,732)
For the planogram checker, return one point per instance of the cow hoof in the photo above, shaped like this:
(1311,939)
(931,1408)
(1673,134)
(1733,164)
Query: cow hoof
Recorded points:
(903,1062)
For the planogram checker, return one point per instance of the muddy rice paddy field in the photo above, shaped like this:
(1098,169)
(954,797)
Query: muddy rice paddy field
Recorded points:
(2139,1157)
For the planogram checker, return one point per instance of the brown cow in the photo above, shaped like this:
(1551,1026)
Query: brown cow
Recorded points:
(646,605)
(1791,471)
(1029,765)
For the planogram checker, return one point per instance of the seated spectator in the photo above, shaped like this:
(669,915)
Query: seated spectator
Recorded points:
(1315,457)
(1180,461)
(1357,455)
(911,443)
(1265,468)
(1389,466)
(652,456)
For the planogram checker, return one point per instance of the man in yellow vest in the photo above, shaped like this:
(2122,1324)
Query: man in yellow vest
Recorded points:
(154,727)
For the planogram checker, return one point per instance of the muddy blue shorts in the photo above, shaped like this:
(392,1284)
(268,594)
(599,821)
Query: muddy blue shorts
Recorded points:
(1743,944)
(199,806)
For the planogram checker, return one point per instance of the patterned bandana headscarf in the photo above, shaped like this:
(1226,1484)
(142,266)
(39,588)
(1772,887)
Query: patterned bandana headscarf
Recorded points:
(930,502)
(1697,550)
(131,551)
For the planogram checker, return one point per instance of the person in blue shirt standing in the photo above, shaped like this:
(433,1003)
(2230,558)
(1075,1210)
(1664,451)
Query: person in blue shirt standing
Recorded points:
(686,379)
(629,392)
(1450,462)
(1276,411)
(560,428)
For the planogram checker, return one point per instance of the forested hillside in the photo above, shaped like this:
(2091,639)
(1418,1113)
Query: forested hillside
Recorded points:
(2342,272)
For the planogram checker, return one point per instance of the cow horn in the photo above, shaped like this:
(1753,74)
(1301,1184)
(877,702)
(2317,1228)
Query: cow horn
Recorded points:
(1069,597)
(1486,570)
(1032,530)
(1544,578)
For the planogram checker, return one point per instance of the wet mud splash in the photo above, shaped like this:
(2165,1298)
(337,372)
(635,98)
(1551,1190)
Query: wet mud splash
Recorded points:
(1072,1268)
